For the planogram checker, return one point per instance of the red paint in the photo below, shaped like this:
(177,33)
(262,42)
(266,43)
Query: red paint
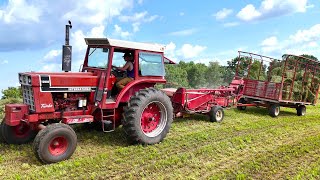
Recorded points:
(58,146)
(150,118)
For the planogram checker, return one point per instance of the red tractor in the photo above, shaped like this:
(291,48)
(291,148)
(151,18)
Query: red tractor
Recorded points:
(53,101)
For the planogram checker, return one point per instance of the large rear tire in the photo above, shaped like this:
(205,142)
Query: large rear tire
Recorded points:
(56,142)
(301,110)
(20,134)
(274,110)
(148,116)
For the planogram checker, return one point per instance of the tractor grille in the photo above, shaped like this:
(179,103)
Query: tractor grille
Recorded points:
(28,97)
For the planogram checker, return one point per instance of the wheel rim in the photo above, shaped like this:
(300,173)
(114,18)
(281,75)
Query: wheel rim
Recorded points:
(22,130)
(58,146)
(153,119)
(219,115)
(277,111)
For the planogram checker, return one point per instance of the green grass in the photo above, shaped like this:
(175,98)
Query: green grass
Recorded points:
(246,145)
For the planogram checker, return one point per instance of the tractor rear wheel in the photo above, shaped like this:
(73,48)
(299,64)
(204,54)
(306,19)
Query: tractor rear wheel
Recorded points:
(274,110)
(56,142)
(301,110)
(20,134)
(148,116)
(216,114)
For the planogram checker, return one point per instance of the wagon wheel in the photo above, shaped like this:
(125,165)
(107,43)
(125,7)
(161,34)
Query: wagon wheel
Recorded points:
(301,110)
(242,108)
(56,142)
(216,114)
(20,134)
(274,110)
(148,116)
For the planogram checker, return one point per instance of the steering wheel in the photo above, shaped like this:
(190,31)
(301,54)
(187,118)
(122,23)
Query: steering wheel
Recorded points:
(116,72)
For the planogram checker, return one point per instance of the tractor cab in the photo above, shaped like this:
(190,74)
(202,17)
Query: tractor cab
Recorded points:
(104,56)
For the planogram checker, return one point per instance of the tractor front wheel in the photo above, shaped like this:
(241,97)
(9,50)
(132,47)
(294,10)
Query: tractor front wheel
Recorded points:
(148,116)
(216,114)
(56,142)
(274,110)
(20,134)
(301,110)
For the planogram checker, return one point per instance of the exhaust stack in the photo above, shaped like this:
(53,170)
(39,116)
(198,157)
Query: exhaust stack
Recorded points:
(67,51)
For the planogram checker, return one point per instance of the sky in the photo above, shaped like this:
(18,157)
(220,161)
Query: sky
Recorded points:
(32,31)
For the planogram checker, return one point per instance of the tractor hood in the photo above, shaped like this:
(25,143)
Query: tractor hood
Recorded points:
(60,82)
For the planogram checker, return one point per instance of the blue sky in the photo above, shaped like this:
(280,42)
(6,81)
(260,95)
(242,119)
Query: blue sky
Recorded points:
(32,31)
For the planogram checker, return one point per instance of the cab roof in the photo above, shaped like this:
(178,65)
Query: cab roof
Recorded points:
(125,44)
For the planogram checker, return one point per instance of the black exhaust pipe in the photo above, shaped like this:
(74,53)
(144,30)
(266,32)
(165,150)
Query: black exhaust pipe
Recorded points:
(67,51)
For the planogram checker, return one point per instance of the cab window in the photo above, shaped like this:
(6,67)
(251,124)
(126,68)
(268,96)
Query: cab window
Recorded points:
(150,64)
(98,57)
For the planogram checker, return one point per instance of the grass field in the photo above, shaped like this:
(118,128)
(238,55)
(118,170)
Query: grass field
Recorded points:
(246,145)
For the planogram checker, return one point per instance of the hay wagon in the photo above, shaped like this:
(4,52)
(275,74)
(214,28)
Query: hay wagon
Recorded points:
(291,82)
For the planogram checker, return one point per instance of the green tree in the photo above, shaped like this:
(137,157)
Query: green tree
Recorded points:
(12,92)
(176,76)
(197,75)
(213,75)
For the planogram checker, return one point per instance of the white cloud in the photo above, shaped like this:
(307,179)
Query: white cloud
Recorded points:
(189,51)
(222,14)
(181,14)
(118,32)
(248,13)
(272,8)
(231,24)
(301,42)
(138,17)
(312,34)
(4,62)
(52,55)
(271,41)
(170,51)
(136,26)
(140,1)
(51,68)
(16,10)
(185,32)
(97,12)
(42,22)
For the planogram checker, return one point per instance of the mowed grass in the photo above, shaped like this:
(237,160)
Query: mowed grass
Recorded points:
(246,145)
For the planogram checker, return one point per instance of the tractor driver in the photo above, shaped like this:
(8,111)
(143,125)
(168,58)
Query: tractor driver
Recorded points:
(121,82)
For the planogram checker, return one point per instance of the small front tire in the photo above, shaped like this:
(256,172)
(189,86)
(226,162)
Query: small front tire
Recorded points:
(216,114)
(55,143)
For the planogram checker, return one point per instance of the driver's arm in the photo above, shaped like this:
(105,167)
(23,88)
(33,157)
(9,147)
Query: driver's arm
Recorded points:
(125,67)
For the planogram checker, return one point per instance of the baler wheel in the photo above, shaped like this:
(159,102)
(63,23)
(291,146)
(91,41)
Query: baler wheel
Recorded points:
(56,142)
(148,116)
(301,110)
(274,110)
(242,108)
(216,114)
(20,134)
